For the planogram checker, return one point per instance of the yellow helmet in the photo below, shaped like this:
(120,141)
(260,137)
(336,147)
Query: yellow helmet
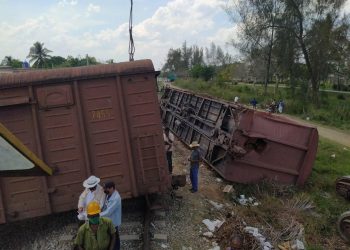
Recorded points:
(93,208)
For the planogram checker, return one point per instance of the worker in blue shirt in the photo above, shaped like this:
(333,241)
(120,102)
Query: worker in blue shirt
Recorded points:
(194,163)
(112,209)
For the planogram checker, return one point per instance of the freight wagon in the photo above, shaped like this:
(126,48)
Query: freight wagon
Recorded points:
(102,120)
(241,144)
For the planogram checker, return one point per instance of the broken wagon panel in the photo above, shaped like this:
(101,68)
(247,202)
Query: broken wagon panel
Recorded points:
(22,196)
(241,144)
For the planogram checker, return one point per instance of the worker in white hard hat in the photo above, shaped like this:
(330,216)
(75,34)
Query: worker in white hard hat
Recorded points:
(93,192)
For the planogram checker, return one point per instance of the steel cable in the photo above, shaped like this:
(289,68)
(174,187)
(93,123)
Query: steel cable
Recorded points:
(131,41)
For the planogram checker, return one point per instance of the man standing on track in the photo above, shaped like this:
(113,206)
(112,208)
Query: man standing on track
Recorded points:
(194,163)
(112,209)
(168,141)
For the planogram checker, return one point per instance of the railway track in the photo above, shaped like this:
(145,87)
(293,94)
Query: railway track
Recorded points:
(141,229)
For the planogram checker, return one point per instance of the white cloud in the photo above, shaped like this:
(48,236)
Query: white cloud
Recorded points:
(92,8)
(68,2)
(346,8)
(69,32)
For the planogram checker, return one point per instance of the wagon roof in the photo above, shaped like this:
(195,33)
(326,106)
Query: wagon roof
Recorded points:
(29,77)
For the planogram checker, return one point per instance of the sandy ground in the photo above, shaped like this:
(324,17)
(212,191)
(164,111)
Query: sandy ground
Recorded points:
(332,134)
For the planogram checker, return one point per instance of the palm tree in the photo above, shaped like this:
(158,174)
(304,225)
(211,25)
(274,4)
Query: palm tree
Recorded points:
(38,54)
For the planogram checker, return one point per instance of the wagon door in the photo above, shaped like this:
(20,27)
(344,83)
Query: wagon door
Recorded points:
(62,147)
(23,197)
(106,139)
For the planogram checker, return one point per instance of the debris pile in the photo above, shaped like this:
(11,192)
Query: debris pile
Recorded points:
(266,245)
(232,232)
(250,201)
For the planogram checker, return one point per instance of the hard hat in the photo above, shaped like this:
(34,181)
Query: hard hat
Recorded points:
(91,181)
(93,208)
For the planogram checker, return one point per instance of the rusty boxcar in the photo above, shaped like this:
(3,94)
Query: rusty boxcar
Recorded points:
(241,144)
(102,120)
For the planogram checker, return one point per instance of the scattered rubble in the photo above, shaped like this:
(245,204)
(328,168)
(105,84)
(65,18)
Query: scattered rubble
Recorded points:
(208,234)
(217,205)
(292,245)
(213,225)
(228,189)
(250,201)
(255,232)
(163,246)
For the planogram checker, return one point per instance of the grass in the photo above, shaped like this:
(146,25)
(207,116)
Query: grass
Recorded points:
(334,109)
(283,206)
(321,189)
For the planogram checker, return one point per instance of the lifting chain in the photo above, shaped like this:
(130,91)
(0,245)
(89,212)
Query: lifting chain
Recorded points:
(131,41)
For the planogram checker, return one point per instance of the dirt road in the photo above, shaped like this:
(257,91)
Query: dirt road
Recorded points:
(332,134)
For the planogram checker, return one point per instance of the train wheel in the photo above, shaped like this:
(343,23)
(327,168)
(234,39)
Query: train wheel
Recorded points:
(343,226)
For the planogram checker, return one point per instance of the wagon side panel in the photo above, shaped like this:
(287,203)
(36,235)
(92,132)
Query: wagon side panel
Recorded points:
(144,121)
(104,129)
(62,147)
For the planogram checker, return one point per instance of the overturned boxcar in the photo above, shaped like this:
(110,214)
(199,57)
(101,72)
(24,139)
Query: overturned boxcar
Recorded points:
(102,120)
(241,144)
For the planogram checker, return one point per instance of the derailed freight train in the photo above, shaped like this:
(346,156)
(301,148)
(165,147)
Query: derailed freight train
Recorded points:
(241,144)
(102,120)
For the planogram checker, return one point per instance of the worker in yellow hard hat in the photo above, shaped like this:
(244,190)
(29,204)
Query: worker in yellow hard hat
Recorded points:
(97,233)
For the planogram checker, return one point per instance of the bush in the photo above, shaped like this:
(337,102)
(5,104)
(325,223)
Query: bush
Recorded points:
(341,97)
(202,71)
(340,87)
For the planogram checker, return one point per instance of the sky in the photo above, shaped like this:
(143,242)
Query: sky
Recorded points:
(99,28)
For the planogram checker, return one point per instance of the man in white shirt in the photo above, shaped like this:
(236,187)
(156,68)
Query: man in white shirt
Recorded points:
(168,142)
(93,192)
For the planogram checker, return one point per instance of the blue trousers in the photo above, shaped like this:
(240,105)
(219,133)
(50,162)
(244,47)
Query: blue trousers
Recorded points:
(194,177)
(169,157)
(117,240)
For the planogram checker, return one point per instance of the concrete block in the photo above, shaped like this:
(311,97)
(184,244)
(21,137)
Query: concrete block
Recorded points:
(160,237)
(159,213)
(129,237)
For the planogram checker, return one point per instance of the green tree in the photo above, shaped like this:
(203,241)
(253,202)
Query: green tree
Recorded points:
(307,31)
(78,61)
(174,61)
(186,54)
(203,71)
(38,55)
(257,21)
(55,62)
(197,56)
(11,62)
